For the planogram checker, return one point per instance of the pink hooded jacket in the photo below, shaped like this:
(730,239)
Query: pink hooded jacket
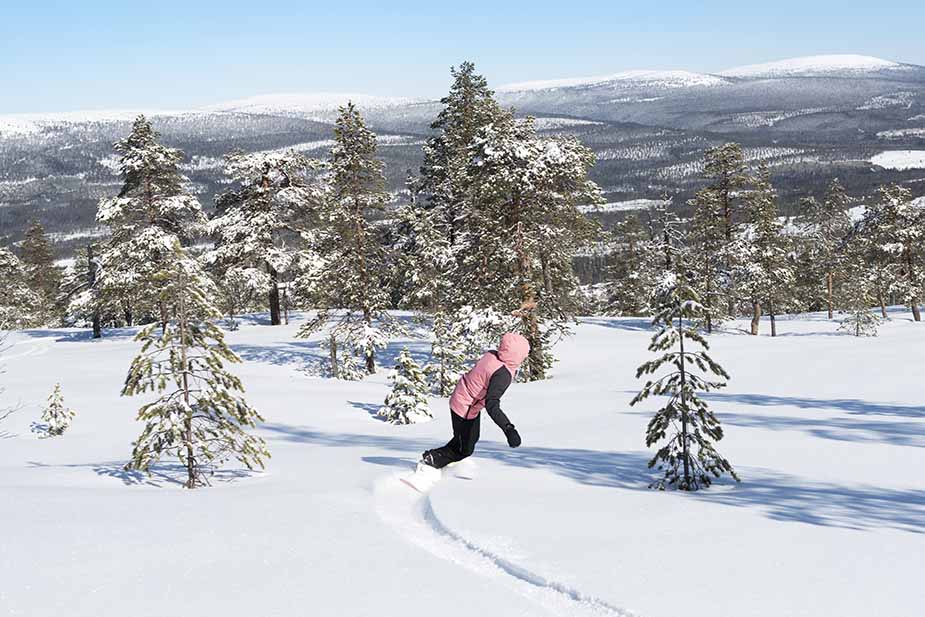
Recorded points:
(468,398)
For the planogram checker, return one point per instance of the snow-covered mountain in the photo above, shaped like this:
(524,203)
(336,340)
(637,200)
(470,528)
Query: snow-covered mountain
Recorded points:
(652,79)
(807,118)
(826,65)
(304,103)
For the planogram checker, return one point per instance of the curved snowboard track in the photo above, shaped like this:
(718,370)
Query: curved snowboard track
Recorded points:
(413,516)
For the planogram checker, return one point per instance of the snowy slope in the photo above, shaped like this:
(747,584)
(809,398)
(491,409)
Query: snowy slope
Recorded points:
(25,124)
(900,159)
(304,103)
(825,430)
(814,65)
(640,78)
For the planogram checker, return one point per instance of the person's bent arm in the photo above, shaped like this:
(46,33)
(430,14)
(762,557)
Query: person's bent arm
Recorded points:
(497,386)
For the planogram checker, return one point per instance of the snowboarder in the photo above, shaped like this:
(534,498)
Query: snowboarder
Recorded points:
(481,387)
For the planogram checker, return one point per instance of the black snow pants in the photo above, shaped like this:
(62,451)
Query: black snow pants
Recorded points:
(465,436)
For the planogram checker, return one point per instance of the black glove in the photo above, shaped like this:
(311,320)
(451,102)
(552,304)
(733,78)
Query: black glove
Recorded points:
(513,437)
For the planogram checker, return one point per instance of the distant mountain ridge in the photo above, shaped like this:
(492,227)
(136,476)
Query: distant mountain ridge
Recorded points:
(807,118)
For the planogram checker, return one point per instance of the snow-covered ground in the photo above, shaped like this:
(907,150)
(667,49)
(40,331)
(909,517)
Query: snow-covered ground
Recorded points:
(900,159)
(827,432)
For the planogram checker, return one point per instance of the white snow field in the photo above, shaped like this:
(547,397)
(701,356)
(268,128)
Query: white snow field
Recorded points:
(900,159)
(827,432)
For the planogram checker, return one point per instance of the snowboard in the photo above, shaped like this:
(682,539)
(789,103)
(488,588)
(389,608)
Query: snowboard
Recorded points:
(423,478)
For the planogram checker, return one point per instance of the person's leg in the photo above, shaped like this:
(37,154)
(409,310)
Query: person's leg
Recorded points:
(465,435)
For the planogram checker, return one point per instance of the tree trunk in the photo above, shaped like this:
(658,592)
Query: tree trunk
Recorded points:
(828,287)
(684,445)
(127,313)
(333,355)
(163,310)
(274,295)
(756,317)
(772,316)
(91,283)
(188,421)
(881,301)
(536,370)
(370,358)
(916,314)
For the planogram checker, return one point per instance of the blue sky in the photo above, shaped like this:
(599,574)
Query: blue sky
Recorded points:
(60,56)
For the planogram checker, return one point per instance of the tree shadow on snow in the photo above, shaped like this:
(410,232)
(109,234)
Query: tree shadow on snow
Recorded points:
(635,324)
(852,406)
(838,429)
(160,474)
(778,496)
(310,355)
(82,335)
(371,408)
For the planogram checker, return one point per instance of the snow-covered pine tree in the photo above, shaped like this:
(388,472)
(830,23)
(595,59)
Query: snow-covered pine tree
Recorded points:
(717,213)
(347,265)
(859,296)
(258,222)
(825,227)
(81,294)
(18,303)
(428,269)
(900,227)
(762,271)
(42,275)
(239,290)
(627,289)
(685,423)
(198,415)
(56,416)
(524,228)
(444,183)
(152,209)
(407,402)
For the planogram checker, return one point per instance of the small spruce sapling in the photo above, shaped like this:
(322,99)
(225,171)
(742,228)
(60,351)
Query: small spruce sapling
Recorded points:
(57,417)
(688,458)
(407,402)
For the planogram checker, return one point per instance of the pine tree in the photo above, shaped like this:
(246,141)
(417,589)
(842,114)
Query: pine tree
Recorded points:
(257,223)
(763,272)
(407,402)
(717,214)
(859,298)
(524,229)
(152,210)
(239,288)
(428,268)
(57,417)
(901,225)
(688,457)
(346,264)
(81,293)
(42,275)
(469,108)
(826,226)
(198,415)
(18,303)
(628,291)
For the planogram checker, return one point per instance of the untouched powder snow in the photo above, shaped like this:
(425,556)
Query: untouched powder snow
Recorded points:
(900,159)
(814,65)
(641,78)
(827,432)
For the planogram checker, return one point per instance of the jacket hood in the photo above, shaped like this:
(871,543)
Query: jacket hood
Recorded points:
(513,350)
